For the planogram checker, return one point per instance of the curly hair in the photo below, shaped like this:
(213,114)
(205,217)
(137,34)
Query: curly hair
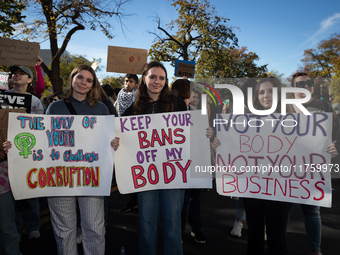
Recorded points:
(92,97)
(143,99)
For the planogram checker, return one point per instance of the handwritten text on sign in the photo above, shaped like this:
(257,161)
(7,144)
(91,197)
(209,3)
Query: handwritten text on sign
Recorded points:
(60,155)
(275,157)
(154,153)
(15,52)
(3,80)
(126,60)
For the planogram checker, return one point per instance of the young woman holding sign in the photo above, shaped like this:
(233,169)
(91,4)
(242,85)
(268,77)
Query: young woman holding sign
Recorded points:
(311,213)
(272,214)
(81,97)
(262,213)
(153,97)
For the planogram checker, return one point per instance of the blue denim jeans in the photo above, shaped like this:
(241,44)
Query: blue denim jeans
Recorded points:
(165,205)
(313,225)
(9,236)
(27,213)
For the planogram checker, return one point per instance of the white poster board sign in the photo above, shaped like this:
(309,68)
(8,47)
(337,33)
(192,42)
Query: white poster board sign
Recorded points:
(3,80)
(156,151)
(276,157)
(57,155)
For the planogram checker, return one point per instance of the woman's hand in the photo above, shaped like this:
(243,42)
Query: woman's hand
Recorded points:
(215,143)
(210,132)
(331,149)
(7,145)
(38,61)
(115,143)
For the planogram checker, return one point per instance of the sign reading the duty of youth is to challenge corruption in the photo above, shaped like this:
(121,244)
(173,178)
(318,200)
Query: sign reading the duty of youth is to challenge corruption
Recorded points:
(275,157)
(56,155)
(160,151)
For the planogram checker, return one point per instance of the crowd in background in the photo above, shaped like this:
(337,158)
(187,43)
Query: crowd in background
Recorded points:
(83,219)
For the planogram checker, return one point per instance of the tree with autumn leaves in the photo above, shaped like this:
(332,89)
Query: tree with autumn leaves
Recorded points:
(229,62)
(324,61)
(62,19)
(10,15)
(199,35)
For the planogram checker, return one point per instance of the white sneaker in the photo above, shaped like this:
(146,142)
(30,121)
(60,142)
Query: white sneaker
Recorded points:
(34,234)
(79,236)
(237,229)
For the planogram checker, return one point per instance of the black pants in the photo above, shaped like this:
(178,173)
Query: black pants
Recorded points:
(272,214)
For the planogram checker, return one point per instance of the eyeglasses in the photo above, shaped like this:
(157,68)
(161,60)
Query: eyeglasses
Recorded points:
(302,84)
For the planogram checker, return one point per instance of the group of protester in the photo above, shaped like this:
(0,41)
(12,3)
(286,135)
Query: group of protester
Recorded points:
(85,96)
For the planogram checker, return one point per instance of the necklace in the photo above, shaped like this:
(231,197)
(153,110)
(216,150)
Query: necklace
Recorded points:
(153,106)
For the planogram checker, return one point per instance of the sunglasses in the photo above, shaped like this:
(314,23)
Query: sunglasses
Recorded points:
(302,84)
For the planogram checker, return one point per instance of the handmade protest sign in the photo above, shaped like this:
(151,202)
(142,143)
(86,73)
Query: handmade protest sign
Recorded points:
(3,80)
(126,60)
(15,52)
(154,152)
(56,155)
(275,157)
(184,68)
(4,127)
(10,100)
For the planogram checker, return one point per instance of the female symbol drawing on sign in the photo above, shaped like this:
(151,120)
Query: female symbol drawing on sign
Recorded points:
(24,142)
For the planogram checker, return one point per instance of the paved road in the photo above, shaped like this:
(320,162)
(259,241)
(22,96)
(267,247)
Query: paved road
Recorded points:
(218,216)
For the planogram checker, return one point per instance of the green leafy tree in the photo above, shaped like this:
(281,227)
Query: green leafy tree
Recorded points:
(114,82)
(196,30)
(229,63)
(324,61)
(63,18)
(10,15)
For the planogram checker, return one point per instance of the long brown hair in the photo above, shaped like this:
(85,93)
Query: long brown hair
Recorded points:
(141,105)
(276,84)
(92,97)
(182,86)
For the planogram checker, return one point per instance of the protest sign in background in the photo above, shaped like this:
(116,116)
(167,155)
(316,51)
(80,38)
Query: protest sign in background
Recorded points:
(185,68)
(126,60)
(10,100)
(154,152)
(56,155)
(283,159)
(3,80)
(15,52)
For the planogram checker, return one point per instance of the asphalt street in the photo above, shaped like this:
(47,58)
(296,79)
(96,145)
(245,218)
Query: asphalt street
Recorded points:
(218,216)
